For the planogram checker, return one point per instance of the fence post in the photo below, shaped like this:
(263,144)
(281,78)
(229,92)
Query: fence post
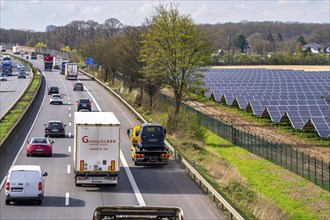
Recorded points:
(309,168)
(276,153)
(302,163)
(291,157)
(286,156)
(297,164)
(322,173)
(315,170)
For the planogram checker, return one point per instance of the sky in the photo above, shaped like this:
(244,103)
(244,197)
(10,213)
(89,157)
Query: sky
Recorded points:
(36,15)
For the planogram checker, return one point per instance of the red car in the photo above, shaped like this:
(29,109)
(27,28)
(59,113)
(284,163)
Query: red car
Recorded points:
(39,146)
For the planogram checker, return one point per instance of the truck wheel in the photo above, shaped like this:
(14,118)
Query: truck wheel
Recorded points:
(77,184)
(7,202)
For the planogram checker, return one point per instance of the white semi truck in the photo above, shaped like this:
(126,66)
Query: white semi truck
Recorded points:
(96,148)
(71,71)
(16,50)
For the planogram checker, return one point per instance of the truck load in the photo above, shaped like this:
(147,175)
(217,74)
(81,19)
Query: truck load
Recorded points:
(56,62)
(71,71)
(62,66)
(16,50)
(48,63)
(96,154)
(148,147)
(138,212)
(3,48)
(6,68)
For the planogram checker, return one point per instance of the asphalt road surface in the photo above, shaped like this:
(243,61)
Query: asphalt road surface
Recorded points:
(168,186)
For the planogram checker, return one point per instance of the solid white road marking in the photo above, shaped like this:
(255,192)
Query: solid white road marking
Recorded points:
(68,169)
(69,149)
(132,181)
(67,198)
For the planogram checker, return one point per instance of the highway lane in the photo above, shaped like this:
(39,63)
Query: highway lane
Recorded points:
(63,200)
(11,89)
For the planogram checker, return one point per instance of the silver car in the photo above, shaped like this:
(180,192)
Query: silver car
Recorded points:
(56,99)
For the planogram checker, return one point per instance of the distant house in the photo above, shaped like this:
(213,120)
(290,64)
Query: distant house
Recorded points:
(326,47)
(315,48)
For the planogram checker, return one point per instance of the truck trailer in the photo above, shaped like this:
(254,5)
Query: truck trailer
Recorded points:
(48,63)
(56,62)
(3,48)
(16,50)
(62,66)
(96,154)
(71,71)
(148,147)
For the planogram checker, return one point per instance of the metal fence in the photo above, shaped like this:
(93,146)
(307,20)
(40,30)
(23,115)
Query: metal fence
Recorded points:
(281,154)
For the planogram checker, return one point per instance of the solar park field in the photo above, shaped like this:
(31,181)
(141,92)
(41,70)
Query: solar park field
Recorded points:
(294,96)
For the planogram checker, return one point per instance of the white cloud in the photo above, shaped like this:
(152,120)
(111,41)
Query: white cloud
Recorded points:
(201,11)
(244,7)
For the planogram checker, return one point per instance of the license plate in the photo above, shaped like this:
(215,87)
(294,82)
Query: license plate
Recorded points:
(153,140)
(17,190)
(152,159)
(54,130)
(39,149)
(97,178)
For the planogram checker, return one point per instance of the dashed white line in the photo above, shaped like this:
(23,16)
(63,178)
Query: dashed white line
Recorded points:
(68,169)
(69,107)
(67,198)
(69,115)
(69,123)
(69,135)
(69,149)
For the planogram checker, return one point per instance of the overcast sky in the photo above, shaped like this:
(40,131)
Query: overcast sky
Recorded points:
(37,14)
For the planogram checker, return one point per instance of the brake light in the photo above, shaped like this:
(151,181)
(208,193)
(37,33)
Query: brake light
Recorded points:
(165,155)
(40,186)
(139,155)
(7,185)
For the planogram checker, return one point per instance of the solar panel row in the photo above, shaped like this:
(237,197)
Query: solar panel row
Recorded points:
(295,95)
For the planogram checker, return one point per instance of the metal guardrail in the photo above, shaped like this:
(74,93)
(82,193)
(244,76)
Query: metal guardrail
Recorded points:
(192,171)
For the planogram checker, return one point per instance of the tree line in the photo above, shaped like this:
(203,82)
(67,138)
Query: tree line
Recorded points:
(169,49)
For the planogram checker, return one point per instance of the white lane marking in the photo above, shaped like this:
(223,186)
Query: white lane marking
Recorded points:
(67,198)
(136,190)
(69,149)
(132,181)
(69,123)
(69,107)
(69,115)
(68,169)
(28,134)
(69,135)
(68,97)
(97,105)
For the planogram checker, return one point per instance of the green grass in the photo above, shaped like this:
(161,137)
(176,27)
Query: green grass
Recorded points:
(271,180)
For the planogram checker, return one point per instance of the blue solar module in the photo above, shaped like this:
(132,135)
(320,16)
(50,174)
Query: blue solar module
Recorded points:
(299,93)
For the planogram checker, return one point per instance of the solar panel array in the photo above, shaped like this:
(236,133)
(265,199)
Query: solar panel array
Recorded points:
(299,96)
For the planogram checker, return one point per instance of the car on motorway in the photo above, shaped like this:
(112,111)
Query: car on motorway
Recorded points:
(19,65)
(25,182)
(56,99)
(84,103)
(22,74)
(78,86)
(55,128)
(39,146)
(3,78)
(6,57)
(53,90)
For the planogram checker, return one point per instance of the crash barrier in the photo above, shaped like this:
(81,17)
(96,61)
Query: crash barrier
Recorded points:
(15,131)
(192,172)
(310,168)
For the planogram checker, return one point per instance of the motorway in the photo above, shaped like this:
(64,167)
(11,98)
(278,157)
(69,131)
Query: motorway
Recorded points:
(168,186)
(11,89)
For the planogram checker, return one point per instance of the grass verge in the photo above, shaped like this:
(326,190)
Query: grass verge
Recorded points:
(13,116)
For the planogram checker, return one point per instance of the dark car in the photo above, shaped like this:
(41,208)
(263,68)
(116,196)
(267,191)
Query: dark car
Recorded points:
(78,86)
(39,146)
(53,90)
(84,103)
(55,128)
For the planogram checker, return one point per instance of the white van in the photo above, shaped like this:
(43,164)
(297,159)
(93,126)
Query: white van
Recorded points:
(25,182)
